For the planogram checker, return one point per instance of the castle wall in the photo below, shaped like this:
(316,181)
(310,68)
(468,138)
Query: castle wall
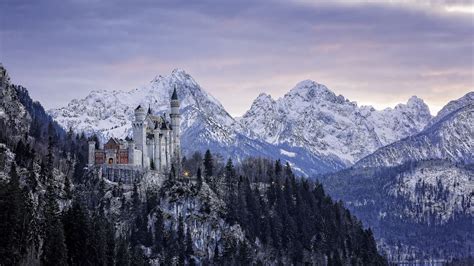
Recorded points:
(123,157)
(91,153)
(137,157)
(99,157)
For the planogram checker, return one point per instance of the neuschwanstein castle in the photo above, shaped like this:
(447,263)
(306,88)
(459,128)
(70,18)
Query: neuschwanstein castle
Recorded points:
(155,144)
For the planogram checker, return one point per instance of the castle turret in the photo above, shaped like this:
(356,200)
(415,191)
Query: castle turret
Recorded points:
(139,134)
(91,157)
(175,121)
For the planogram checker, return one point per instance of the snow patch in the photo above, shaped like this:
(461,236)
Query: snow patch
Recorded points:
(287,153)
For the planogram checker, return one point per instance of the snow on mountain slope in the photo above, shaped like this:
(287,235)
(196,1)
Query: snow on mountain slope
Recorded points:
(205,124)
(313,117)
(449,136)
(111,112)
(452,106)
(436,187)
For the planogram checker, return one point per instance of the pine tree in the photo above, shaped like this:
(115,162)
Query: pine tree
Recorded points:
(199,178)
(229,171)
(77,235)
(123,253)
(159,231)
(288,171)
(208,165)
(32,181)
(11,205)
(244,254)
(189,247)
(181,241)
(43,173)
(50,160)
(54,247)
(216,257)
(98,242)
(136,199)
(138,258)
(110,255)
(67,188)
(278,168)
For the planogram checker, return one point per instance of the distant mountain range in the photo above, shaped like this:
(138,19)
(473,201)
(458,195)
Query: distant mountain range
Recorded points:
(310,127)
(449,135)
(418,193)
(313,117)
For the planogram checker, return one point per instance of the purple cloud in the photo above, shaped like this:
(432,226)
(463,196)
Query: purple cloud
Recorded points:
(371,53)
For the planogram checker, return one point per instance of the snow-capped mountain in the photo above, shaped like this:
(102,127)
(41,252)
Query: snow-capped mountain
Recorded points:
(421,184)
(111,112)
(313,117)
(310,127)
(205,123)
(452,106)
(450,135)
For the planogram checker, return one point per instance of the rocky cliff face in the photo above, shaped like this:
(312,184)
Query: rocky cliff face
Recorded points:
(14,117)
(312,116)
(450,135)
(421,184)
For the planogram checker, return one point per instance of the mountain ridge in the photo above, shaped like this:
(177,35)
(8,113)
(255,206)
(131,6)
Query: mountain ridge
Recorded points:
(433,141)
(205,123)
(310,115)
(287,127)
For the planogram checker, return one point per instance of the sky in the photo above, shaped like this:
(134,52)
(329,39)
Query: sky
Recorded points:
(376,53)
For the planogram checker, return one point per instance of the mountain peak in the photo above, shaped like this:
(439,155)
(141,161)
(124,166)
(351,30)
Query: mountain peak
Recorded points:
(414,100)
(179,71)
(419,104)
(309,89)
(263,97)
(452,106)
(176,74)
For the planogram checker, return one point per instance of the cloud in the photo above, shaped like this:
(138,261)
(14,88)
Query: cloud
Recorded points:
(372,53)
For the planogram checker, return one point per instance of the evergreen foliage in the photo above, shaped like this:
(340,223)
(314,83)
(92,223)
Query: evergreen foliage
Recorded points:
(208,165)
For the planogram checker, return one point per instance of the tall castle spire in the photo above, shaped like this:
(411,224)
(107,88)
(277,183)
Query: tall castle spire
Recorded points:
(175,121)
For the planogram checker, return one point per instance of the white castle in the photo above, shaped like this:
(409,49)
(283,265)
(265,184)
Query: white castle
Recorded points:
(155,144)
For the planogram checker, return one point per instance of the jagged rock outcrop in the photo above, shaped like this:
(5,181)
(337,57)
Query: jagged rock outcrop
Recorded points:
(313,117)
(450,135)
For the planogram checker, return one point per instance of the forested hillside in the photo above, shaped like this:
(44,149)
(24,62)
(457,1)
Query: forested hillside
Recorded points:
(418,210)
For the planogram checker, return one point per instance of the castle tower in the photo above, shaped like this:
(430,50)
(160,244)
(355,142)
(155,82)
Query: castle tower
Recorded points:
(91,157)
(139,134)
(175,121)
(165,144)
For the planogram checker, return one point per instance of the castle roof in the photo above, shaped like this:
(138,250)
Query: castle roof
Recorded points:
(174,96)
